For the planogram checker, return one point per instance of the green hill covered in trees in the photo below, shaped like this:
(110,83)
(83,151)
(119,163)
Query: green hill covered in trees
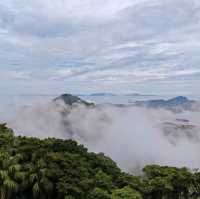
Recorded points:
(62,169)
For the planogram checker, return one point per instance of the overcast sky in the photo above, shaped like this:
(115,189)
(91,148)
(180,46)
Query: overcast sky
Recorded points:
(81,46)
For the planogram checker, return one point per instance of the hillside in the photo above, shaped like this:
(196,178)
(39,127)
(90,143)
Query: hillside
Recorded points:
(55,168)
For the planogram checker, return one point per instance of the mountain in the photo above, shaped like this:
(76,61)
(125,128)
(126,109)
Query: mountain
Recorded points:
(102,94)
(70,100)
(176,104)
(137,95)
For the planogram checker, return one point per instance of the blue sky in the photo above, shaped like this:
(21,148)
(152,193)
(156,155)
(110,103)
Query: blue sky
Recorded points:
(145,46)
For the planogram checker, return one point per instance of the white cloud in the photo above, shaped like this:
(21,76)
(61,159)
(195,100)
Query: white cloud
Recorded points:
(95,40)
(187,72)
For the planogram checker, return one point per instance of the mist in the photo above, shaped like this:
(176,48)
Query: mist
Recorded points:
(131,136)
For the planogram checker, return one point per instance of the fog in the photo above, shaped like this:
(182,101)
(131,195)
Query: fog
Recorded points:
(131,136)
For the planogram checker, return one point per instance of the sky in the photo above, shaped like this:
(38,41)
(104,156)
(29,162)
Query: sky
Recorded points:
(120,46)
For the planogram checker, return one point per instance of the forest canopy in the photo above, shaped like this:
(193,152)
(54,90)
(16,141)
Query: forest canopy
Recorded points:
(62,169)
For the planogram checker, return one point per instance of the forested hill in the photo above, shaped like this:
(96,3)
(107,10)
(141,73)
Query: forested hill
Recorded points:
(62,169)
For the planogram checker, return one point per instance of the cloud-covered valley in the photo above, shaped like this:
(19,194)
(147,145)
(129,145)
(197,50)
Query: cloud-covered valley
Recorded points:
(132,136)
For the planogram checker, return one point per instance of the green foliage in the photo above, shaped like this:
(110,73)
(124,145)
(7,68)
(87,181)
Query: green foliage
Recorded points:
(102,180)
(169,181)
(98,193)
(54,168)
(126,193)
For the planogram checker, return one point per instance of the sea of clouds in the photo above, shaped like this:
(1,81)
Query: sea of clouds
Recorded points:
(131,136)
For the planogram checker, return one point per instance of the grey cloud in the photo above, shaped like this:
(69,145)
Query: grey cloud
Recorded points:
(80,41)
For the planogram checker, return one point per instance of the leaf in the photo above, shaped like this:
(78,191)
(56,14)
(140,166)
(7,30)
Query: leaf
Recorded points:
(36,189)
(10,184)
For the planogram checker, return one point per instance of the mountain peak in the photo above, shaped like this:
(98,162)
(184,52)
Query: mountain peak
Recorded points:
(180,99)
(71,99)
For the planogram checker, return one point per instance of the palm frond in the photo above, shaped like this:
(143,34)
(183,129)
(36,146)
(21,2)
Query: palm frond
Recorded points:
(3,174)
(10,184)
(36,189)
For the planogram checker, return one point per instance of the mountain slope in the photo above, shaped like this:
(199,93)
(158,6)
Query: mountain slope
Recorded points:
(52,168)
(31,168)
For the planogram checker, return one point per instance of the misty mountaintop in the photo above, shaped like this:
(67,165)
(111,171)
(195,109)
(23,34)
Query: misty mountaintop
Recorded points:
(173,130)
(69,99)
(175,104)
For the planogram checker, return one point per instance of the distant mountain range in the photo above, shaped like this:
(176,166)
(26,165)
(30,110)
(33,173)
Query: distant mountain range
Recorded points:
(175,104)
(103,94)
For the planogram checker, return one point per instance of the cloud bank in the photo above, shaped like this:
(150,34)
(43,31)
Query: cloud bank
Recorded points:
(133,137)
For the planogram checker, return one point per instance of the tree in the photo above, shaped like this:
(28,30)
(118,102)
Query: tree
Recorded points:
(98,193)
(103,181)
(41,185)
(170,182)
(10,175)
(126,193)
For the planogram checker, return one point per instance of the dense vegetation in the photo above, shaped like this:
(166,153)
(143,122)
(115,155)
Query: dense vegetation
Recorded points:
(62,169)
